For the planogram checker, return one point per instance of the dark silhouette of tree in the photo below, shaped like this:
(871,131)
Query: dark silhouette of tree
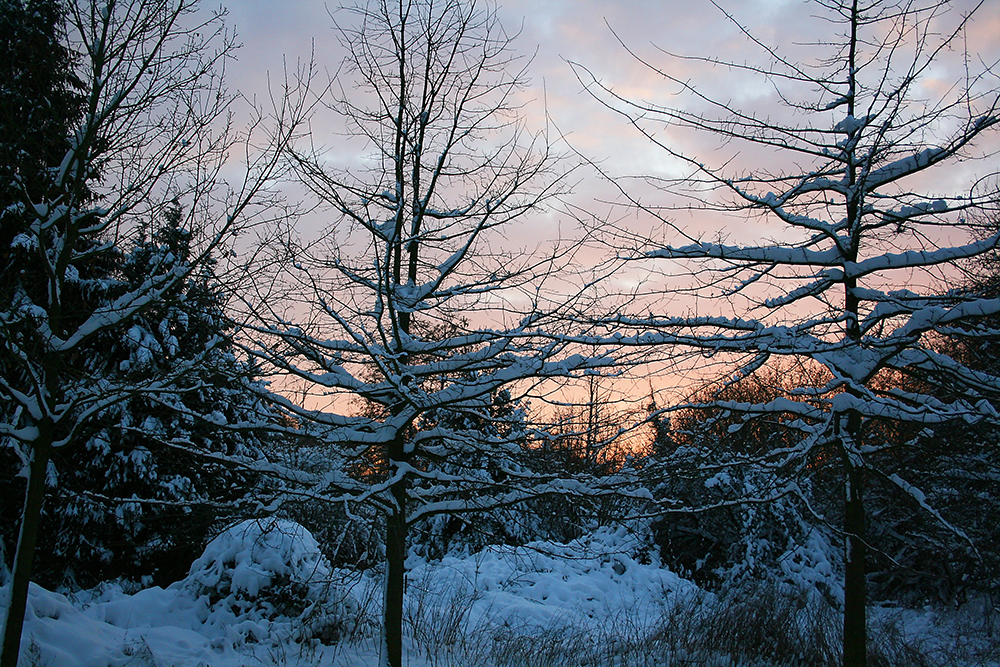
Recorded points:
(124,503)
(416,236)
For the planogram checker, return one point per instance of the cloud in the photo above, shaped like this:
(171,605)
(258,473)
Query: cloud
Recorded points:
(595,34)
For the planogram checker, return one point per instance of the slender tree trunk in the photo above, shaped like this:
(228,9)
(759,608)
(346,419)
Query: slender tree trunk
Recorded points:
(855,602)
(395,566)
(25,555)
(855,598)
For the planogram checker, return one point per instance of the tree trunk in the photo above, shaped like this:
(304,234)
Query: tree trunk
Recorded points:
(855,603)
(25,555)
(395,564)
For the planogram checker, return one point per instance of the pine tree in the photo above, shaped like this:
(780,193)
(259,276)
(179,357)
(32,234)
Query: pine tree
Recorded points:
(662,442)
(39,104)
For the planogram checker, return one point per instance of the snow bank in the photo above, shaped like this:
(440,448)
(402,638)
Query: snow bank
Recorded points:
(258,587)
(107,628)
(262,594)
(594,579)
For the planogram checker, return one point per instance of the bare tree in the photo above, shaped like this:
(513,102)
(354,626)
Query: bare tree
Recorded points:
(410,304)
(869,217)
(153,126)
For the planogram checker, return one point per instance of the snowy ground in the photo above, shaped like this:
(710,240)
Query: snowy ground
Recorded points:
(254,593)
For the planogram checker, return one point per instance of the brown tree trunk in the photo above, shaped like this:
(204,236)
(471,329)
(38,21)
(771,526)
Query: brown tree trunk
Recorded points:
(25,556)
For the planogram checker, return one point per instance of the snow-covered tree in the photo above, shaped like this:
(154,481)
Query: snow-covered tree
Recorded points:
(416,236)
(862,206)
(705,472)
(148,122)
(40,102)
(124,502)
(39,105)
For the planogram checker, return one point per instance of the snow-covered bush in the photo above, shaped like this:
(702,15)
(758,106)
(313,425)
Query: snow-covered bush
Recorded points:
(261,573)
(814,565)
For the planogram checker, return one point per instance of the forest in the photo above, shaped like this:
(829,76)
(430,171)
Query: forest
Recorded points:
(402,395)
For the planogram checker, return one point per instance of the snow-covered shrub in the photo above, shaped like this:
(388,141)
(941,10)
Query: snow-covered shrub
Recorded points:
(735,540)
(747,519)
(814,564)
(260,574)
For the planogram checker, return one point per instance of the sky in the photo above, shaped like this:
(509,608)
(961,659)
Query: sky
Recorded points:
(594,35)
(598,35)
(553,33)
(588,32)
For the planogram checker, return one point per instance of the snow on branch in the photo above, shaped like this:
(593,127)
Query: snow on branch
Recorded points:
(762,254)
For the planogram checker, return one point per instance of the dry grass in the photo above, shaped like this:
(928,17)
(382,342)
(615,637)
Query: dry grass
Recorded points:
(758,626)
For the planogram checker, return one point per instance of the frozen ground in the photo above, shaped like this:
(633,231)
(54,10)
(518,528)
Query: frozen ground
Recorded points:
(263,596)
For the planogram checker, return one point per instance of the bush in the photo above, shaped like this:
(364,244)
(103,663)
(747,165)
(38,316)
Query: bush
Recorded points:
(261,572)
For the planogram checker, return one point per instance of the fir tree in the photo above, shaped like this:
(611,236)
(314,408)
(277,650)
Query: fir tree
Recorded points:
(39,104)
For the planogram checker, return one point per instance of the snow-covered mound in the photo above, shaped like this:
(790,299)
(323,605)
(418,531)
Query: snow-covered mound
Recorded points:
(257,556)
(259,584)
(258,572)
(606,573)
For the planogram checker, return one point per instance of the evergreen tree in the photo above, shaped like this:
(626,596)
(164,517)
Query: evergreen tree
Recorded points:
(662,442)
(39,105)
(128,502)
(461,456)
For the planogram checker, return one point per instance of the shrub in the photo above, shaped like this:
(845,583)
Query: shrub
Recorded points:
(260,572)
